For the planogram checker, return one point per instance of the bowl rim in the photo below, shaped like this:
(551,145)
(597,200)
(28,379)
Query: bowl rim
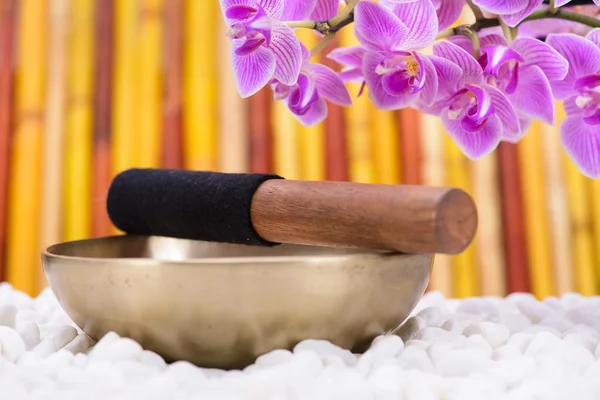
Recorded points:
(360,253)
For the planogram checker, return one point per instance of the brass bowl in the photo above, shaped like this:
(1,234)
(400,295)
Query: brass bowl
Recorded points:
(222,305)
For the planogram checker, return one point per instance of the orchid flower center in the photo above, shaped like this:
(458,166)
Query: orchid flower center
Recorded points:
(588,98)
(300,97)
(472,106)
(501,66)
(250,28)
(402,73)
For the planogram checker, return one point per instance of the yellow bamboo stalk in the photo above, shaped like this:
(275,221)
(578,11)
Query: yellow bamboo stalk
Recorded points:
(78,160)
(358,120)
(124,144)
(559,218)
(52,182)
(311,140)
(285,142)
(465,271)
(581,222)
(233,112)
(385,145)
(536,213)
(434,174)
(150,83)
(200,85)
(23,247)
(490,252)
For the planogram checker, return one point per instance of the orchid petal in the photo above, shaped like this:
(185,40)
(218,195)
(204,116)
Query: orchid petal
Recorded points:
(496,57)
(582,55)
(329,85)
(315,114)
(225,4)
(533,95)
(514,19)
(472,72)
(463,42)
(525,126)
(448,76)
(448,12)
(535,52)
(349,56)
(505,111)
(594,34)
(352,75)
(377,28)
(430,88)
(422,23)
(491,39)
(297,10)
(571,107)
(466,43)
(325,10)
(274,8)
(582,144)
(474,144)
(288,53)
(374,81)
(253,71)
(240,12)
(501,7)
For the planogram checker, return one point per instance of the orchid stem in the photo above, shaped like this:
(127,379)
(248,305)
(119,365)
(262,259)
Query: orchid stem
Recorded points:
(507,31)
(552,8)
(476,10)
(302,24)
(344,13)
(322,44)
(466,31)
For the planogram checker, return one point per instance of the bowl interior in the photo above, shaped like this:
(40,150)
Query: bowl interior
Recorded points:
(171,249)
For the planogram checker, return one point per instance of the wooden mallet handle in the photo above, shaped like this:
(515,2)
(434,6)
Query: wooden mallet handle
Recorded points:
(404,218)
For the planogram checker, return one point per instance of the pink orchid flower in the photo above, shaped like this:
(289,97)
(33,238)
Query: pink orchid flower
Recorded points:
(306,98)
(394,73)
(580,90)
(522,71)
(263,48)
(475,114)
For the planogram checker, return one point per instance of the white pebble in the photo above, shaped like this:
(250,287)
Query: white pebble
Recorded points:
(478,343)
(433,316)
(415,357)
(449,361)
(542,342)
(11,343)
(495,334)
(7,315)
(274,358)
(118,350)
(55,340)
(455,326)
(330,353)
(79,344)
(521,340)
(588,342)
(29,332)
(411,328)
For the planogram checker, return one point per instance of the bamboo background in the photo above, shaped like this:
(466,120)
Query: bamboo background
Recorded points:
(89,88)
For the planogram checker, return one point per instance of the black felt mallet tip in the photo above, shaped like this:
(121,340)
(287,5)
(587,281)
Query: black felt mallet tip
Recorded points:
(207,206)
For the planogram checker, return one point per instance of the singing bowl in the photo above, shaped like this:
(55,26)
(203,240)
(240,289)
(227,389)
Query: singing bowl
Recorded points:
(223,305)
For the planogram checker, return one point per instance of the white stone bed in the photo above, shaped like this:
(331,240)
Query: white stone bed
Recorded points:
(479,348)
